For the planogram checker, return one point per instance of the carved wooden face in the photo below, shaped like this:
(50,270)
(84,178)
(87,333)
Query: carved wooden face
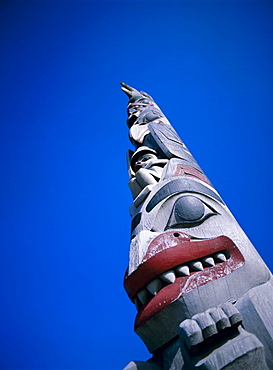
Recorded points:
(144,160)
(187,254)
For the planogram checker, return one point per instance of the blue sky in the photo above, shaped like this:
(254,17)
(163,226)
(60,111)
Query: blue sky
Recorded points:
(64,197)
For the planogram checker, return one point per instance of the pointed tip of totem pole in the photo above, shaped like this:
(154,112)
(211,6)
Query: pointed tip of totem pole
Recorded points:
(129,91)
(125,86)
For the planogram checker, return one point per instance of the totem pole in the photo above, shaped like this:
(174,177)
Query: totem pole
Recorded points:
(203,294)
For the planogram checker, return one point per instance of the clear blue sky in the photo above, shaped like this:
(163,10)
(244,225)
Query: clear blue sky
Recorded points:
(64,197)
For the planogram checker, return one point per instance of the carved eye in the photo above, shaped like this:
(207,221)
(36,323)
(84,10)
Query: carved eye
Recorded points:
(189,211)
(146,157)
(145,101)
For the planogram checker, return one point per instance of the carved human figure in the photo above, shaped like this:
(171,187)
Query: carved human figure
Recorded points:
(204,295)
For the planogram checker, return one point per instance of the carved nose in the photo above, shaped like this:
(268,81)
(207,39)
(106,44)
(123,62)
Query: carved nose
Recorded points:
(138,165)
(138,248)
(163,241)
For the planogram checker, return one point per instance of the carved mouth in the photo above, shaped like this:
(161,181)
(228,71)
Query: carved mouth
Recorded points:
(179,265)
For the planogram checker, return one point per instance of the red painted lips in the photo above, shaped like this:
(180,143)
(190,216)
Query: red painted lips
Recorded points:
(172,249)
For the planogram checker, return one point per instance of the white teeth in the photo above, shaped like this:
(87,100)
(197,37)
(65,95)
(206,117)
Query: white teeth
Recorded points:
(143,296)
(209,261)
(137,303)
(154,286)
(168,276)
(197,265)
(221,257)
(183,270)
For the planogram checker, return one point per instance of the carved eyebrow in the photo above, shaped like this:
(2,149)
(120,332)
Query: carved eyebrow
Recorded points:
(181,186)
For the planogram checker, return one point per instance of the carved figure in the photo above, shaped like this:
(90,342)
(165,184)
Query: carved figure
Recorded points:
(203,294)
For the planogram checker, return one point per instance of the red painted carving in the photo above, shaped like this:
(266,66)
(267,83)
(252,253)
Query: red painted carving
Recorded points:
(169,250)
(183,170)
